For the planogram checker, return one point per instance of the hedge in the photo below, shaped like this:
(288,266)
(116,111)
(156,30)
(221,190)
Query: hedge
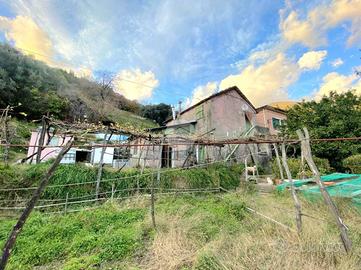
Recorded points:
(353,163)
(295,167)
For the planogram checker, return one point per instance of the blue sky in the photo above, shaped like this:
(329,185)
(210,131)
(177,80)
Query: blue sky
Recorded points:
(165,51)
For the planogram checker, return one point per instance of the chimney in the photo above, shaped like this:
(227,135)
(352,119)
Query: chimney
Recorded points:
(179,108)
(173,112)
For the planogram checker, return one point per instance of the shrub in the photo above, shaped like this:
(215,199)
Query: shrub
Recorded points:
(353,163)
(294,165)
(125,181)
(81,239)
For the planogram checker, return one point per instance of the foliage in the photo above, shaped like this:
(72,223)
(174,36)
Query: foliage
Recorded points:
(159,112)
(295,166)
(334,116)
(35,89)
(82,239)
(125,181)
(193,232)
(353,163)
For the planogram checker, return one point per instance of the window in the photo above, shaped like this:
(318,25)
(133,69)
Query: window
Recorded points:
(276,123)
(54,141)
(200,112)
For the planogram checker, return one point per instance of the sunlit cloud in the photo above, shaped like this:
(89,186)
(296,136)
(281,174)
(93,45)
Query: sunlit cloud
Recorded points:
(265,83)
(338,83)
(202,92)
(28,37)
(312,31)
(135,84)
(312,60)
(32,40)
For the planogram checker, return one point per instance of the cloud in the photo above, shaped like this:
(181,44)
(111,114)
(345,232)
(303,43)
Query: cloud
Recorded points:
(338,83)
(202,92)
(28,37)
(296,31)
(267,82)
(32,40)
(337,62)
(312,60)
(312,31)
(135,84)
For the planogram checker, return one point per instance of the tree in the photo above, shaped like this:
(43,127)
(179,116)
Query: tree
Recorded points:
(334,116)
(158,113)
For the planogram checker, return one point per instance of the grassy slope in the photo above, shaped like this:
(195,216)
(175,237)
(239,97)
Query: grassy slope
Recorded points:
(124,118)
(202,232)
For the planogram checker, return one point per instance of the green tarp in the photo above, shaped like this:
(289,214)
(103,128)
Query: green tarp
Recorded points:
(340,185)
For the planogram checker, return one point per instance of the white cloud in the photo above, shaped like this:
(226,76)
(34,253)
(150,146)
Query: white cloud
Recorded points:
(267,82)
(312,31)
(135,84)
(337,62)
(312,60)
(28,37)
(202,92)
(32,40)
(338,83)
(295,30)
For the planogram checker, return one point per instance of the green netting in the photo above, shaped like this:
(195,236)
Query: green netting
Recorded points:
(346,185)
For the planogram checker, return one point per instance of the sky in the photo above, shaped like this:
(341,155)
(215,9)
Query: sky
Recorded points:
(169,51)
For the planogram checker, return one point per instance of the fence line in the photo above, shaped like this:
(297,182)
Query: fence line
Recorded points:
(126,177)
(214,142)
(172,191)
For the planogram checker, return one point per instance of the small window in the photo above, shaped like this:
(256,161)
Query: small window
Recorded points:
(54,141)
(276,123)
(200,112)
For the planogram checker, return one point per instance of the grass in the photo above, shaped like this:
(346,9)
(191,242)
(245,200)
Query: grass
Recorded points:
(28,176)
(211,231)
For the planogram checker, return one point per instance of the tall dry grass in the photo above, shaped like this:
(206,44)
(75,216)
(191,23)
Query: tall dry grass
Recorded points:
(253,243)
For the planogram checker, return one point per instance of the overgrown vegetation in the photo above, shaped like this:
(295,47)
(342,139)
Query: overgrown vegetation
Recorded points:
(295,166)
(78,241)
(334,116)
(193,232)
(63,95)
(128,179)
(353,163)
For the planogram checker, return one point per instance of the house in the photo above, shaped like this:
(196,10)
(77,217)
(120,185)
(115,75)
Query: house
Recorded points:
(271,118)
(226,115)
(115,156)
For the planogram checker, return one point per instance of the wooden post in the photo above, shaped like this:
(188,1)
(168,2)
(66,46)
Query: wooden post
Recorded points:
(6,135)
(278,161)
(306,149)
(41,139)
(100,167)
(293,191)
(113,189)
(66,202)
(34,199)
(245,169)
(152,195)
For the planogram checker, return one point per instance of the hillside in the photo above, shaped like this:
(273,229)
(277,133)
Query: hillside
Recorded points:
(34,89)
(213,231)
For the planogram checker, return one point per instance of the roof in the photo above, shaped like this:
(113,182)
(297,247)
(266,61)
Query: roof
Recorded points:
(223,92)
(174,125)
(284,105)
(270,108)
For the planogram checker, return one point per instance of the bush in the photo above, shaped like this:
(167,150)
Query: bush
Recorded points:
(353,163)
(82,240)
(125,181)
(294,165)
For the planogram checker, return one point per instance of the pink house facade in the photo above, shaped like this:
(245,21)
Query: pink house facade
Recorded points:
(271,118)
(48,152)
